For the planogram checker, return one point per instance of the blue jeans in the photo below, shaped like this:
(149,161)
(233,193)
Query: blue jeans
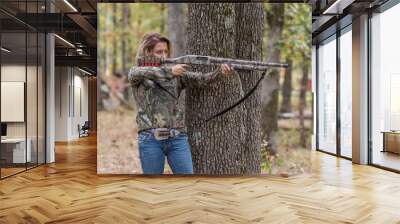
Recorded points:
(153,152)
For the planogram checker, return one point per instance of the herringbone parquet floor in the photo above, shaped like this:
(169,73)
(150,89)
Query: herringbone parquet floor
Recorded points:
(70,191)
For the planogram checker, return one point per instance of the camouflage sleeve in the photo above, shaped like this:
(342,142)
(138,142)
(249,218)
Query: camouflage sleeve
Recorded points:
(198,79)
(138,74)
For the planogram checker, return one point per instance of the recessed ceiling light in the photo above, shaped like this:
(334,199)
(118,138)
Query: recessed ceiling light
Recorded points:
(86,72)
(5,49)
(70,5)
(338,6)
(64,40)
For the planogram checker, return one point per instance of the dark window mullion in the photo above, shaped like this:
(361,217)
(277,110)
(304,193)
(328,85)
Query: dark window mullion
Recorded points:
(317,96)
(338,98)
(0,96)
(369,89)
(26,86)
(37,90)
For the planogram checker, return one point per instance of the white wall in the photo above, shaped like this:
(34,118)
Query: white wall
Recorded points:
(71,94)
(33,126)
(12,73)
(61,103)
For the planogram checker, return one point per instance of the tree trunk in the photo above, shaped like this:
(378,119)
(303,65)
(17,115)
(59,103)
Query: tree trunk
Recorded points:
(125,34)
(114,38)
(176,24)
(250,29)
(286,105)
(162,12)
(215,144)
(106,42)
(270,88)
(138,28)
(302,105)
(126,51)
(176,28)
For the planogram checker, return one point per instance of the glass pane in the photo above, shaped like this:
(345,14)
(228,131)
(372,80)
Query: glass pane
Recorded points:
(31,97)
(327,96)
(385,89)
(346,94)
(13,86)
(41,99)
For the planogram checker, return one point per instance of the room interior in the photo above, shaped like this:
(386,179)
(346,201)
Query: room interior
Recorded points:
(48,89)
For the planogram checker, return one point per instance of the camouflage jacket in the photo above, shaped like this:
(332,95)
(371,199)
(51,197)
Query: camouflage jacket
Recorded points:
(156,107)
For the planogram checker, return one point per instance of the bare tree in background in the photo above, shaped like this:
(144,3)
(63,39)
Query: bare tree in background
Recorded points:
(222,145)
(125,34)
(303,102)
(286,91)
(270,90)
(176,24)
(107,47)
(163,23)
(114,38)
(177,27)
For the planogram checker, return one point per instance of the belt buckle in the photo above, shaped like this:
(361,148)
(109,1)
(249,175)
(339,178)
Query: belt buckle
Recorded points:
(162,133)
(174,132)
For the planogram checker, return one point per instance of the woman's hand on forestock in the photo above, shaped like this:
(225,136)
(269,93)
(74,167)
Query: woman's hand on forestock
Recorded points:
(179,69)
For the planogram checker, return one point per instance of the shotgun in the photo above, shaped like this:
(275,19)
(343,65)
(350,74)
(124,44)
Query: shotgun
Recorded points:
(208,60)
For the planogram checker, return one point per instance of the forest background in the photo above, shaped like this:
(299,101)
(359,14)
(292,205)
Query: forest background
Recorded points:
(287,134)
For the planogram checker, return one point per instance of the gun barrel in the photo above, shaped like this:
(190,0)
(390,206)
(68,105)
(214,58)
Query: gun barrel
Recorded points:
(249,67)
(207,60)
(246,62)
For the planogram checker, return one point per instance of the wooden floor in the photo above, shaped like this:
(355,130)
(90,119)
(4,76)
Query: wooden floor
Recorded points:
(387,159)
(70,191)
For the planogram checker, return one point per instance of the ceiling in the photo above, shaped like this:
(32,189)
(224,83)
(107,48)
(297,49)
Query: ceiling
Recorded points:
(330,15)
(74,22)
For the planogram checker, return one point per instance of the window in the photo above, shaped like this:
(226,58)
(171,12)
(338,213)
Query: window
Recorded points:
(346,92)
(385,88)
(22,66)
(327,96)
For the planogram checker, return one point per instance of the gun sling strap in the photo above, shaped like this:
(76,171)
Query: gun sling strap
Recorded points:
(248,94)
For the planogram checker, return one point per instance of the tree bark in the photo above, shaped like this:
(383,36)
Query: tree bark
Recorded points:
(177,28)
(303,104)
(270,88)
(124,47)
(106,42)
(215,144)
(114,38)
(162,11)
(250,29)
(286,91)
(176,24)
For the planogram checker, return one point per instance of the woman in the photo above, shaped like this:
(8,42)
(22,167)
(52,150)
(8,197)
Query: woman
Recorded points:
(160,119)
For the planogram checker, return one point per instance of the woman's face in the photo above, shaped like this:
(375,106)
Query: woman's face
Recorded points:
(161,50)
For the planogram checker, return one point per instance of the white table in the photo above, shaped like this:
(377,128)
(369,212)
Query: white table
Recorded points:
(19,155)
